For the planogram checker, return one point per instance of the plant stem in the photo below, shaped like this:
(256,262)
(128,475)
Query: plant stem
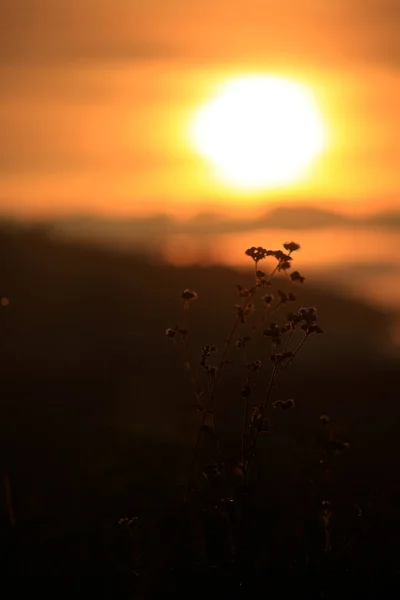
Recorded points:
(297,350)
(244,428)
(211,397)
(261,419)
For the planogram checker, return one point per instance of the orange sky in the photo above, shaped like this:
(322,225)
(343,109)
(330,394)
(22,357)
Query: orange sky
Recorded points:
(96,96)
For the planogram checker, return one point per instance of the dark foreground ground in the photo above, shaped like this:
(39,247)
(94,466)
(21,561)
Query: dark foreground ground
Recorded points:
(96,426)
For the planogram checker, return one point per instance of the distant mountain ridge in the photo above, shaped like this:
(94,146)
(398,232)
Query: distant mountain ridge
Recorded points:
(283,217)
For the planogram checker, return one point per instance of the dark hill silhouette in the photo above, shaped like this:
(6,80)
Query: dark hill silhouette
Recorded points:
(137,232)
(302,217)
(76,296)
(95,406)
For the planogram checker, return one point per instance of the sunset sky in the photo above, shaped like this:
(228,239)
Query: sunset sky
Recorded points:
(97,96)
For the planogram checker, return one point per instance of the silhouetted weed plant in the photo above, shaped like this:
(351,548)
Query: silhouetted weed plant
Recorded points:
(284,341)
(221,489)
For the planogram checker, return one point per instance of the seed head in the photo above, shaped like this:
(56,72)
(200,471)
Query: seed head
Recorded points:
(291,246)
(262,282)
(315,329)
(286,328)
(280,357)
(244,311)
(245,391)
(273,331)
(244,292)
(308,314)
(295,276)
(295,318)
(324,419)
(206,351)
(268,298)
(284,404)
(284,265)
(282,256)
(257,253)
(189,295)
(254,366)
(242,342)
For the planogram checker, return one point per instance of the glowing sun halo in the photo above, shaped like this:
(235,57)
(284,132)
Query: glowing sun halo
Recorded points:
(259,132)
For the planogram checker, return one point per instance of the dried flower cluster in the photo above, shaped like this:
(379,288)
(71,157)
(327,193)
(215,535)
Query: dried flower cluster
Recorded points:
(295,276)
(304,321)
(257,421)
(172,332)
(284,404)
(189,295)
(291,246)
(254,366)
(244,311)
(242,341)
(259,253)
(221,482)
(206,353)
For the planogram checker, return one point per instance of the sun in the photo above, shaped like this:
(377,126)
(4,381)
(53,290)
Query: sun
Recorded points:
(259,132)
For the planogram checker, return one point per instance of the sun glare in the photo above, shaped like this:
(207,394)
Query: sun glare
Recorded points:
(259,132)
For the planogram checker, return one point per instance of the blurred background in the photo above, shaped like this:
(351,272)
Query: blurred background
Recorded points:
(110,207)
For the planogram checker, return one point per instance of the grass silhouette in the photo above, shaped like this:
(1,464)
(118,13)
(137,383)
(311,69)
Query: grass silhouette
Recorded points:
(221,488)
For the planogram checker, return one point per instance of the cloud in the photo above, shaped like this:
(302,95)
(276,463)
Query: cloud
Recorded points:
(44,32)
(47,55)
(376,25)
(58,31)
